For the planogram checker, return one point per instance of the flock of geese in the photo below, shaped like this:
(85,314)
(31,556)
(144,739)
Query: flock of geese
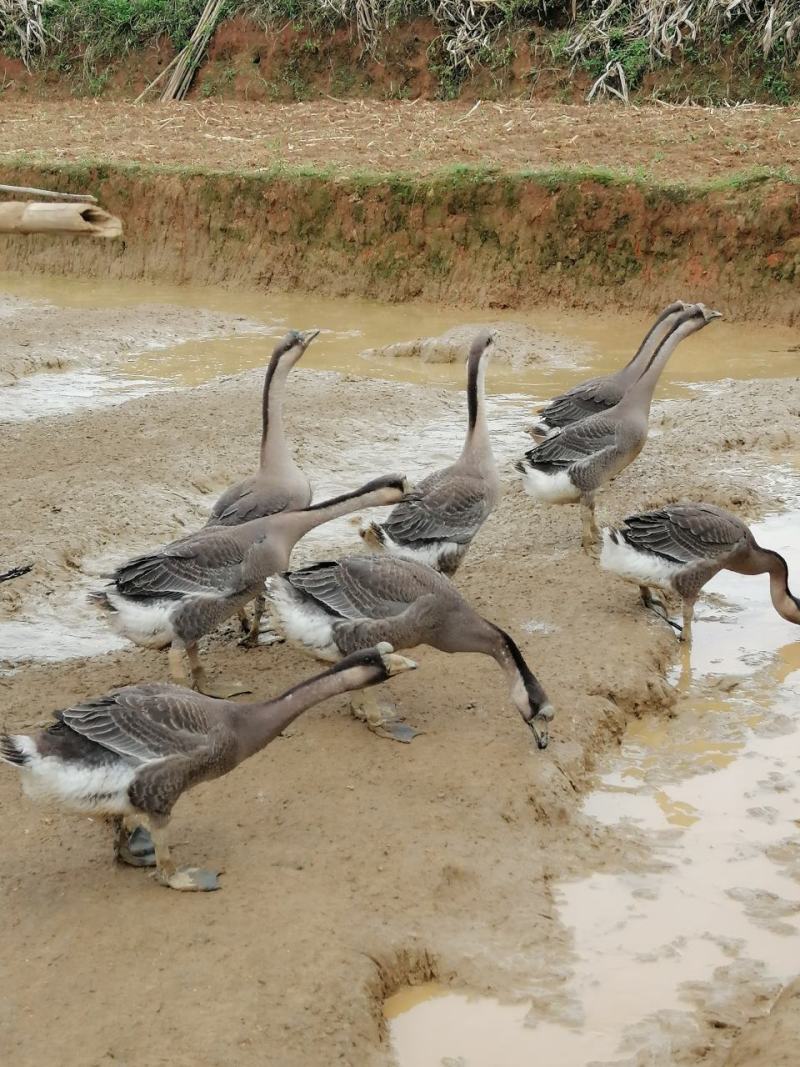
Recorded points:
(130,754)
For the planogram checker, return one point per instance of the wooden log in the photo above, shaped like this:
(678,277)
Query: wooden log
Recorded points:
(70,219)
(47,194)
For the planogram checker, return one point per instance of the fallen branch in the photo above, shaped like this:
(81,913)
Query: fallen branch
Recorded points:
(46,194)
(25,217)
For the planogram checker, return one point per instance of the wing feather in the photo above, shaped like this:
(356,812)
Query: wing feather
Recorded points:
(145,722)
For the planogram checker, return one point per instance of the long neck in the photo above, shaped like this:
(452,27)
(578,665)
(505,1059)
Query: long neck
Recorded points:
(640,394)
(502,648)
(299,523)
(275,451)
(633,369)
(477,440)
(783,601)
(258,724)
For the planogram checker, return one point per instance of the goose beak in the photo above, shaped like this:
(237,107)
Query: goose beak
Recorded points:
(307,336)
(396,664)
(540,726)
(709,313)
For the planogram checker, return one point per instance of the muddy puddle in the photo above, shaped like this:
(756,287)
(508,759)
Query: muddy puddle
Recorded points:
(713,913)
(599,342)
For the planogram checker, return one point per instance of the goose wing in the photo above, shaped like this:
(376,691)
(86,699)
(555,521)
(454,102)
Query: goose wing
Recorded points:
(446,505)
(686,533)
(588,398)
(145,722)
(365,587)
(251,499)
(574,443)
(205,562)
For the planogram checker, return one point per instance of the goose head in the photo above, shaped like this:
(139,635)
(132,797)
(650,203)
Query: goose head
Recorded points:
(377,664)
(291,347)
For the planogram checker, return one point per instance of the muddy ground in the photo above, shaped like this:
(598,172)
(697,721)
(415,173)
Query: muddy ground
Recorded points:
(662,143)
(352,864)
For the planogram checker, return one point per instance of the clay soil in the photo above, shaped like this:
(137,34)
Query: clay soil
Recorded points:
(351,864)
(663,143)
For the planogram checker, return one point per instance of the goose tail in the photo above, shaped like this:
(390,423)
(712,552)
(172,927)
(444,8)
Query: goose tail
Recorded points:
(100,598)
(15,749)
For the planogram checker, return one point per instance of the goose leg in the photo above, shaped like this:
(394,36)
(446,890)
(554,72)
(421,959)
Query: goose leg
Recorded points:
(244,621)
(187,879)
(365,706)
(132,843)
(589,532)
(253,635)
(201,683)
(657,606)
(688,616)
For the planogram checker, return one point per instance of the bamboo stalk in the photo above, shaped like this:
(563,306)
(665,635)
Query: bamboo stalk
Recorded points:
(84,198)
(25,217)
(158,77)
(189,59)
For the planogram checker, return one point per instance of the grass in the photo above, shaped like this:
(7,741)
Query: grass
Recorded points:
(457,180)
(607,37)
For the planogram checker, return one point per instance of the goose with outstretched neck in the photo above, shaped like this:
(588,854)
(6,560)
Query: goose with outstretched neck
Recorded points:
(438,521)
(131,754)
(174,596)
(333,608)
(680,547)
(279,484)
(573,464)
(599,394)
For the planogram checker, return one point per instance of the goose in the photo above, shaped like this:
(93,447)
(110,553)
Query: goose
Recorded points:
(680,547)
(130,755)
(437,523)
(16,572)
(175,595)
(575,462)
(599,394)
(332,608)
(279,484)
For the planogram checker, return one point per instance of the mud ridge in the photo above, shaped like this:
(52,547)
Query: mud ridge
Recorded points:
(574,238)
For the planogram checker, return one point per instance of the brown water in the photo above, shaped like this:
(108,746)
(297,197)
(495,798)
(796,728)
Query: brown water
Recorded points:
(599,342)
(712,792)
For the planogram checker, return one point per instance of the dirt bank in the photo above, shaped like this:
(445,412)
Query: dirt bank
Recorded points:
(488,239)
(352,865)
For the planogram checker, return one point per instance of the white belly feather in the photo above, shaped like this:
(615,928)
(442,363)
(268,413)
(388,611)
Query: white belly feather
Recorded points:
(644,568)
(75,785)
(301,620)
(146,623)
(431,554)
(555,488)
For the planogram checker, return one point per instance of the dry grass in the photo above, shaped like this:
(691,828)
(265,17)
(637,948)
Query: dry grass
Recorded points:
(662,143)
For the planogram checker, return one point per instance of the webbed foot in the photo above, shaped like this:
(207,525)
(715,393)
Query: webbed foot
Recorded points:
(222,690)
(395,731)
(137,851)
(189,879)
(263,638)
(382,719)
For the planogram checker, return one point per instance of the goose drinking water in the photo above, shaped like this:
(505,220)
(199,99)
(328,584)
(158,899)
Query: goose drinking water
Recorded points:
(680,547)
(333,608)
